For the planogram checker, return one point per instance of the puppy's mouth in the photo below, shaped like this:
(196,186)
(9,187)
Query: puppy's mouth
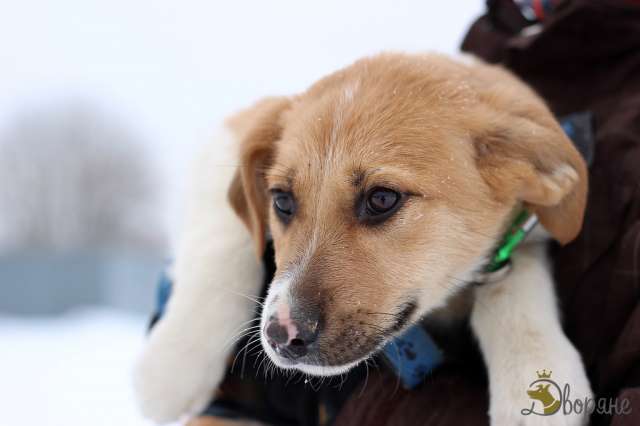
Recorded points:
(359,337)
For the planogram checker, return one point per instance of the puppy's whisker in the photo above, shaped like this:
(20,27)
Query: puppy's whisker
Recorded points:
(255,350)
(343,378)
(291,376)
(262,362)
(397,386)
(366,378)
(380,332)
(250,321)
(259,356)
(374,362)
(264,365)
(374,326)
(242,334)
(246,323)
(272,370)
(254,299)
(238,337)
(244,358)
(244,348)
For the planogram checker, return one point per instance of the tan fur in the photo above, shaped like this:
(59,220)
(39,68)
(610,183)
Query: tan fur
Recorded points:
(258,128)
(469,143)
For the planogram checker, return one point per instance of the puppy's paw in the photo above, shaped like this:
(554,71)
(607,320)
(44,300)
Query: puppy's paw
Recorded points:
(543,390)
(172,379)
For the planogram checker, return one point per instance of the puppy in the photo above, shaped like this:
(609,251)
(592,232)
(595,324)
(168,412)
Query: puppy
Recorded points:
(385,187)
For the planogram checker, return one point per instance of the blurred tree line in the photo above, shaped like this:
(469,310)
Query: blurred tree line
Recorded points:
(71,178)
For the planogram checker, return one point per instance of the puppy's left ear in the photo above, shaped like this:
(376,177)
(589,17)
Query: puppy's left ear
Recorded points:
(524,155)
(258,128)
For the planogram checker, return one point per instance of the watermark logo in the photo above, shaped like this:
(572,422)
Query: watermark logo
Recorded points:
(546,395)
(549,398)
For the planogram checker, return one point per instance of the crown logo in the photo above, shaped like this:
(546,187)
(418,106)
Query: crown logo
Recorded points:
(544,374)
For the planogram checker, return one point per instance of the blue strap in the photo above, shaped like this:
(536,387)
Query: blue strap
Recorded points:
(163,292)
(412,356)
(579,127)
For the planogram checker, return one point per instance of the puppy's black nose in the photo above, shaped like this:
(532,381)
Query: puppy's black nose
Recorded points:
(291,339)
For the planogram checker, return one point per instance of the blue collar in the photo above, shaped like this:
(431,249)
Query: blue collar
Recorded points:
(412,356)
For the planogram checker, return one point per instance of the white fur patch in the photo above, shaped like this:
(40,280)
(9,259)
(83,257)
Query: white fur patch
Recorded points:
(216,275)
(278,293)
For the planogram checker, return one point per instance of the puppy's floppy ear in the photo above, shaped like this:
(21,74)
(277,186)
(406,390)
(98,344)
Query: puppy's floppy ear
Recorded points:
(523,154)
(257,128)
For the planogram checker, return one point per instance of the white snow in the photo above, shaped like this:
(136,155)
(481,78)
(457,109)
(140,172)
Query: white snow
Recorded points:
(70,370)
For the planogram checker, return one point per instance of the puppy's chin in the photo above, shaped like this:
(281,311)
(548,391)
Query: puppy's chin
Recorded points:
(326,370)
(311,369)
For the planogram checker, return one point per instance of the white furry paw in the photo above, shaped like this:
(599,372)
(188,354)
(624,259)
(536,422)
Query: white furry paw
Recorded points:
(173,379)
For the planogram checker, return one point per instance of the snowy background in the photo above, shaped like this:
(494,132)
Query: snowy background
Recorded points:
(102,103)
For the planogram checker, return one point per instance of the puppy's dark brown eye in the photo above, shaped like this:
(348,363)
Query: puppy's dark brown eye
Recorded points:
(377,205)
(381,200)
(284,205)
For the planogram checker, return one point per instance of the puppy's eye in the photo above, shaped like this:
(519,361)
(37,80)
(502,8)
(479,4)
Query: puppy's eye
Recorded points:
(378,204)
(381,200)
(284,205)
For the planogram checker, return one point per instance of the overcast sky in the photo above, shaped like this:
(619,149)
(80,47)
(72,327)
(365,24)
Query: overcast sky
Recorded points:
(172,70)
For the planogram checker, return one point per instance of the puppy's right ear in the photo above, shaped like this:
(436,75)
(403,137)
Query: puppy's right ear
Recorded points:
(258,128)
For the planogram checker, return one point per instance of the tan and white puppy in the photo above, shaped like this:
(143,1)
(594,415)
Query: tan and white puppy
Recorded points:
(384,187)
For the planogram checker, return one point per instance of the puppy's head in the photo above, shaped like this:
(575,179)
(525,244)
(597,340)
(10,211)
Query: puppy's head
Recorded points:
(383,186)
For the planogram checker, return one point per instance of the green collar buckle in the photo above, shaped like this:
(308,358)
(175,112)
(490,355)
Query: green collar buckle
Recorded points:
(500,263)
